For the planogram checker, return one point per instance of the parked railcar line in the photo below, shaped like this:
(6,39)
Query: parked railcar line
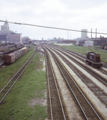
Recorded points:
(55,103)
(87,109)
(4,92)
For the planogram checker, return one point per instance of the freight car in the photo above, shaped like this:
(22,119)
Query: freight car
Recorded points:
(93,59)
(4,48)
(1,59)
(7,47)
(13,56)
(9,58)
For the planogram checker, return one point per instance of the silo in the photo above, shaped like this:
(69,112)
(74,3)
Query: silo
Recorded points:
(84,33)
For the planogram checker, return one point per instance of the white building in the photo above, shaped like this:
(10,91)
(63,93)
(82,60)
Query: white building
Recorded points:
(7,35)
(89,43)
(84,33)
(5,28)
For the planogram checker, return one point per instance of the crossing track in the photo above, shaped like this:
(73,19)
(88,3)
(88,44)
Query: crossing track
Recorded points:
(6,89)
(88,111)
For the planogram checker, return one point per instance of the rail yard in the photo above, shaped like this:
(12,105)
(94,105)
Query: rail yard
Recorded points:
(75,89)
(79,90)
(53,60)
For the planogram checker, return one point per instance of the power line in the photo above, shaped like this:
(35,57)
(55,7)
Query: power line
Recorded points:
(51,27)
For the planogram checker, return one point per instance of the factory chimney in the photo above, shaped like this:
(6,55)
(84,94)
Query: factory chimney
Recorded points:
(91,33)
(96,33)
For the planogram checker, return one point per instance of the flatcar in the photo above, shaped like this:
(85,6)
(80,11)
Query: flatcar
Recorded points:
(93,59)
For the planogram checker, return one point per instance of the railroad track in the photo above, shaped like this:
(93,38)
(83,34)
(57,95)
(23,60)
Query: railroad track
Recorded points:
(90,84)
(55,106)
(96,75)
(79,56)
(82,58)
(88,111)
(6,89)
(98,91)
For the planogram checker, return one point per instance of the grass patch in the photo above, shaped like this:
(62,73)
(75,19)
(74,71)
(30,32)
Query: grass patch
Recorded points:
(7,72)
(39,113)
(83,50)
(30,86)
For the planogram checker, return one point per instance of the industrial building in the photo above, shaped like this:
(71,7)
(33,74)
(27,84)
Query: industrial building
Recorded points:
(9,36)
(89,43)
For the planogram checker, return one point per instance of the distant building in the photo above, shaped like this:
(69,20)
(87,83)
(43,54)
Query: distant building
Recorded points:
(83,33)
(9,36)
(15,38)
(66,41)
(5,28)
(3,38)
(89,43)
(25,39)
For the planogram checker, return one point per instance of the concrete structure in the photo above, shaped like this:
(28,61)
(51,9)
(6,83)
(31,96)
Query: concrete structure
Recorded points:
(89,43)
(7,35)
(83,33)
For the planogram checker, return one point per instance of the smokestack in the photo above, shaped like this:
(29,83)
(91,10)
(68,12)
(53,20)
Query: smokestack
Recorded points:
(96,33)
(91,33)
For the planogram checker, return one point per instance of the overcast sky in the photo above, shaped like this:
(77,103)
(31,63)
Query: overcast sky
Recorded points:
(71,14)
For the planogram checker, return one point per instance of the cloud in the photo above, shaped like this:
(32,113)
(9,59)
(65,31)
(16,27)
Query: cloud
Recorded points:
(82,4)
(78,14)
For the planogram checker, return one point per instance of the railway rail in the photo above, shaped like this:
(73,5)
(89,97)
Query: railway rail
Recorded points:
(91,71)
(6,89)
(88,111)
(98,91)
(83,58)
(55,108)
(80,57)
(91,85)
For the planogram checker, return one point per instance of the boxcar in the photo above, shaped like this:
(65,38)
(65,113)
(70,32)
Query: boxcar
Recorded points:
(9,58)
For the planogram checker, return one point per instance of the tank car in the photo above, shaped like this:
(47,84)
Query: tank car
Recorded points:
(93,59)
